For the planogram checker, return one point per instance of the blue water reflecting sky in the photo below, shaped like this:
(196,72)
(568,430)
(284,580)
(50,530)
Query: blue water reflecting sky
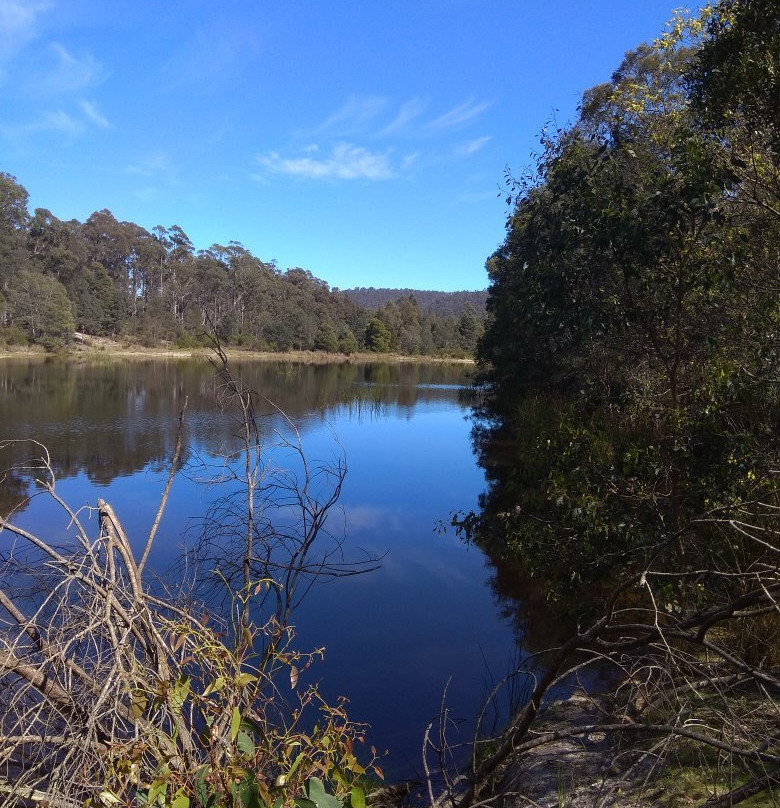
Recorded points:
(394,637)
(398,634)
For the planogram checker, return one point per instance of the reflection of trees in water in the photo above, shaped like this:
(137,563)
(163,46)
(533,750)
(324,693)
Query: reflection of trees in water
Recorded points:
(512,474)
(93,657)
(106,419)
(522,599)
(117,417)
(13,487)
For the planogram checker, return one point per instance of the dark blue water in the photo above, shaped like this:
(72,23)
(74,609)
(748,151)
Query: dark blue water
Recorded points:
(394,637)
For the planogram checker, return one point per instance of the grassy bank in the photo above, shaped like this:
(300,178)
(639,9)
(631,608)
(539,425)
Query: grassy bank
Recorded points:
(88,347)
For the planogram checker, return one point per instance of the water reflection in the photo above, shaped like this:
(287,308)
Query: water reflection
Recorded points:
(114,418)
(393,637)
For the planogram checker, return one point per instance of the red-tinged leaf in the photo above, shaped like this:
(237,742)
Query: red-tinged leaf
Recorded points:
(379,773)
(293,676)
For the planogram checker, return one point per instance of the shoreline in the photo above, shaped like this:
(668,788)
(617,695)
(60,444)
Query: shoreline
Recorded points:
(97,348)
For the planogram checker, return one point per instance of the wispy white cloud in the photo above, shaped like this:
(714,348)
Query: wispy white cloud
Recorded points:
(345,161)
(156,174)
(154,165)
(372,116)
(62,121)
(69,73)
(148,193)
(471,146)
(18,25)
(93,114)
(50,121)
(335,154)
(409,112)
(457,116)
(71,123)
(355,114)
(365,518)
(150,165)
(210,56)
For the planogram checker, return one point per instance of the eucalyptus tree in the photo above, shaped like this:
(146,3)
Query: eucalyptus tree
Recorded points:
(734,80)
(39,304)
(100,308)
(610,247)
(14,222)
(629,275)
(56,247)
(126,251)
(409,339)
(174,272)
(735,89)
(631,362)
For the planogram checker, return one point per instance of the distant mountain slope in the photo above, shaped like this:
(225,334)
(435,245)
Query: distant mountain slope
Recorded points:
(430,302)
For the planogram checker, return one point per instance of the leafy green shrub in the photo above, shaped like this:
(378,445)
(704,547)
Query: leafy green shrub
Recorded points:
(251,746)
(50,344)
(11,335)
(186,340)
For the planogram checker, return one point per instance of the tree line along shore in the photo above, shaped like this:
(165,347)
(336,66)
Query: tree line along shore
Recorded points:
(107,278)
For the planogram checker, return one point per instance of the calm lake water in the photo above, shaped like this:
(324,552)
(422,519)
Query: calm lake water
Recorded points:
(394,637)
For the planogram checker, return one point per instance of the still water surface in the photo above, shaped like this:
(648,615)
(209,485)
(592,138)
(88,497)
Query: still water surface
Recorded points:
(394,637)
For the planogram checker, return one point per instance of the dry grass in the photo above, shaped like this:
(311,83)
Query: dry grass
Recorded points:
(100,347)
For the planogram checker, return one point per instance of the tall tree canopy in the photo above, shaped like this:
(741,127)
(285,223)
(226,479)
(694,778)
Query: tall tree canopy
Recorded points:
(631,364)
(640,272)
(121,279)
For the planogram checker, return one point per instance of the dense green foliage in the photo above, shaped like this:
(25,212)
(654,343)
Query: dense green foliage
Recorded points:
(630,433)
(632,347)
(429,301)
(110,278)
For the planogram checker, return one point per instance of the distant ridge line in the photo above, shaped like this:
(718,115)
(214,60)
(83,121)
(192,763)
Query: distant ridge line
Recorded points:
(429,301)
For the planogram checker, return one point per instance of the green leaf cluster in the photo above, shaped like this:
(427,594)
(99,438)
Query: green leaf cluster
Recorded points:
(256,748)
(632,355)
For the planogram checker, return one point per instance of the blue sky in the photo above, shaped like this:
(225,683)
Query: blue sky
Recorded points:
(363,140)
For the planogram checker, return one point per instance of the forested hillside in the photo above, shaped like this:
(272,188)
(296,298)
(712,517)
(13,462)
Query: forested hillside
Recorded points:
(107,277)
(442,303)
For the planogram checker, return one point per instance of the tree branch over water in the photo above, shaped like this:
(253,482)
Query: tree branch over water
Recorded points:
(695,682)
(115,690)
